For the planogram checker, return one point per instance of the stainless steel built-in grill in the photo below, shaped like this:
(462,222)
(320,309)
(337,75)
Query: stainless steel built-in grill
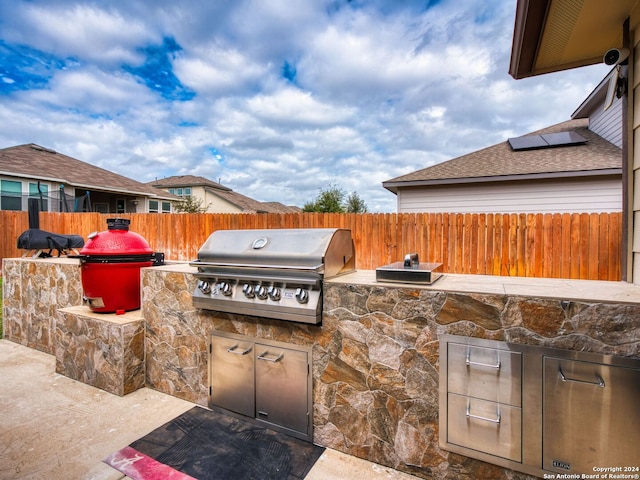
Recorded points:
(275,273)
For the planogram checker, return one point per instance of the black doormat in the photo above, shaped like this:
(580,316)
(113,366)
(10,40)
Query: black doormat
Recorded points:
(206,444)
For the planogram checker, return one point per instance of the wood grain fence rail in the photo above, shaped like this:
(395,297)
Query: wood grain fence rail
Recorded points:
(578,246)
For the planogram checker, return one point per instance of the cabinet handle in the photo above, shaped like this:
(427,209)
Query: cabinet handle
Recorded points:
(263,356)
(478,364)
(478,417)
(238,352)
(599,380)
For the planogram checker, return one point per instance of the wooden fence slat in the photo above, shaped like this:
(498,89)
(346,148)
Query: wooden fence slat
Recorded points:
(584,246)
(594,244)
(547,245)
(603,246)
(615,248)
(459,242)
(506,245)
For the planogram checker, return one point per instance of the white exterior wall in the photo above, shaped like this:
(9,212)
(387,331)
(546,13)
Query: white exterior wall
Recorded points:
(608,123)
(217,204)
(214,203)
(634,147)
(588,195)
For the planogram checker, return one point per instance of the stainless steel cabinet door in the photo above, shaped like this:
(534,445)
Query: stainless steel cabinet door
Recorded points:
(232,375)
(591,416)
(281,387)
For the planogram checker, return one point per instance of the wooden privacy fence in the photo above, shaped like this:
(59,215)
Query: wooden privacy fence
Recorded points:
(579,246)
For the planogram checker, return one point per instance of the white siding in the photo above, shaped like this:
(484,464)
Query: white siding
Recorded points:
(219,205)
(557,196)
(634,148)
(608,124)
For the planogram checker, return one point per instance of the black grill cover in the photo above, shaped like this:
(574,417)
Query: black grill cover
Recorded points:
(36,239)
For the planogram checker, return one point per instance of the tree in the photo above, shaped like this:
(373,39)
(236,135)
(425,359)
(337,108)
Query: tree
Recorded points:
(355,204)
(190,205)
(332,200)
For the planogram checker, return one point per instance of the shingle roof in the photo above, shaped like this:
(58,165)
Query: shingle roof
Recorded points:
(34,161)
(186,181)
(501,162)
(244,203)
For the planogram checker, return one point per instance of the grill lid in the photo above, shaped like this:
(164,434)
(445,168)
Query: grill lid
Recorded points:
(117,240)
(324,251)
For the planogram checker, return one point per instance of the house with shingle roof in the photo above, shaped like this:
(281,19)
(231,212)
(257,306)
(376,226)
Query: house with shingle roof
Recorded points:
(66,184)
(216,197)
(574,166)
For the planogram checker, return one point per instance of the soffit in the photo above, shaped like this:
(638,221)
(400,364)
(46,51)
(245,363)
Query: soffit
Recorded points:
(554,35)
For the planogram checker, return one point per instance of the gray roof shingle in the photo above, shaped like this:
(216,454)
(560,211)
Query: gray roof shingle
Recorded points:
(34,161)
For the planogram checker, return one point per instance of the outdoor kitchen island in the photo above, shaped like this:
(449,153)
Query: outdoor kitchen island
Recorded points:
(375,357)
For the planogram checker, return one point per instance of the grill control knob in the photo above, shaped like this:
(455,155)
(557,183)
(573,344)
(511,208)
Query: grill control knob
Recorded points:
(204,286)
(225,289)
(248,290)
(302,295)
(274,293)
(262,292)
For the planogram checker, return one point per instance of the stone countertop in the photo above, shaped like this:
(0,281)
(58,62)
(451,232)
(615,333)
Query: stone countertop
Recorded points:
(119,319)
(563,289)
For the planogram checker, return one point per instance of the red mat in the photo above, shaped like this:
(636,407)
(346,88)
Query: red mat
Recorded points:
(139,466)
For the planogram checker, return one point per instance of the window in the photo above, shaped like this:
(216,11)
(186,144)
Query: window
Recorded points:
(44,191)
(120,205)
(10,195)
(181,192)
(101,207)
(154,206)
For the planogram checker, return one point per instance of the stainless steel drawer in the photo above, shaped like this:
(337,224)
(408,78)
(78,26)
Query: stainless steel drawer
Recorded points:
(486,373)
(484,426)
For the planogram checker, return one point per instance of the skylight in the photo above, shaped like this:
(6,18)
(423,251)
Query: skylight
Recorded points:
(547,140)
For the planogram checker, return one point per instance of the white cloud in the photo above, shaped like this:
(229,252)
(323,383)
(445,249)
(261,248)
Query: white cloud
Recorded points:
(82,31)
(296,108)
(213,69)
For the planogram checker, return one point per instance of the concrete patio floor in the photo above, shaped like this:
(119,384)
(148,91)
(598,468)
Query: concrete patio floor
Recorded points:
(53,427)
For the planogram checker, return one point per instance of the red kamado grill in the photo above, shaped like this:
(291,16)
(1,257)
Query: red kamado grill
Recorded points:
(274,273)
(110,267)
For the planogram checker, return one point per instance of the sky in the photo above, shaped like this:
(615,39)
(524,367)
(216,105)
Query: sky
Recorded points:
(276,99)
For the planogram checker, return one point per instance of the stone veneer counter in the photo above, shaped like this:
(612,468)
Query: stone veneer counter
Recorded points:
(575,290)
(33,290)
(376,354)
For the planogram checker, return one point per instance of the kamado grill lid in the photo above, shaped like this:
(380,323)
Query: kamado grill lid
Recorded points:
(117,240)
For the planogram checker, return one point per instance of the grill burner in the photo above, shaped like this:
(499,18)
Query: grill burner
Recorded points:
(274,273)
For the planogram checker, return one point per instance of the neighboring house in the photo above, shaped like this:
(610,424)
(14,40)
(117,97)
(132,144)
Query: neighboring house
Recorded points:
(215,197)
(581,171)
(65,184)
(555,35)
